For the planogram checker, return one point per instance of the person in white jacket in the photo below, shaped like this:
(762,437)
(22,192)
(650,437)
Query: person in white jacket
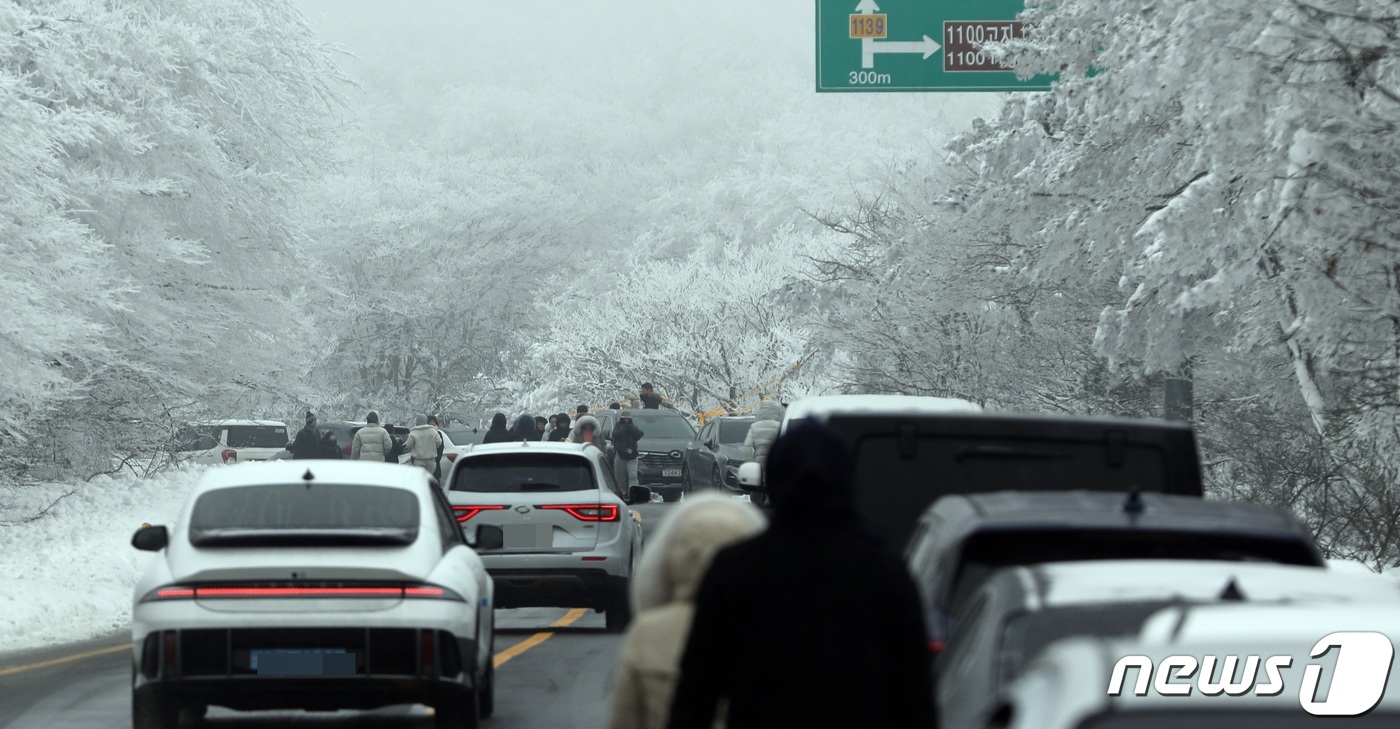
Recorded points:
(424,444)
(663,592)
(372,442)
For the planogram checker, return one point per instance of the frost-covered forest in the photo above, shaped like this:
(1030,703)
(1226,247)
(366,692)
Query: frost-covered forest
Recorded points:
(248,208)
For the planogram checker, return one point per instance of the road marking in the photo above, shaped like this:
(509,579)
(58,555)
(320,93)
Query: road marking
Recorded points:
(569,619)
(65,659)
(536,639)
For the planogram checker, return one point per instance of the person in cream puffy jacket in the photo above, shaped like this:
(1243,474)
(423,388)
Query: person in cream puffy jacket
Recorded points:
(663,591)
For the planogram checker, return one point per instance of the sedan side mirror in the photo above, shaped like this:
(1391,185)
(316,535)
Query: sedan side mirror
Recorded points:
(750,476)
(489,536)
(639,495)
(151,538)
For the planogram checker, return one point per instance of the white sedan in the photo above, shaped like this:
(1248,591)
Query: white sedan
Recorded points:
(312,585)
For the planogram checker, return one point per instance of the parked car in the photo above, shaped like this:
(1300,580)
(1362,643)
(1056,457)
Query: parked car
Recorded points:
(962,539)
(230,441)
(712,460)
(462,435)
(569,538)
(661,452)
(1020,610)
(312,585)
(1077,683)
(911,450)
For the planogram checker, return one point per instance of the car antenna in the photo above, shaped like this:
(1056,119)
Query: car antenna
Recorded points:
(1133,506)
(1232,592)
(308,477)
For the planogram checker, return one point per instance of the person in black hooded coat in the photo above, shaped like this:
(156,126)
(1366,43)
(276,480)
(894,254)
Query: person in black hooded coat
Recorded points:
(820,599)
(497,433)
(562,423)
(525,428)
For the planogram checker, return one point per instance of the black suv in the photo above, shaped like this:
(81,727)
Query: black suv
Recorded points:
(661,453)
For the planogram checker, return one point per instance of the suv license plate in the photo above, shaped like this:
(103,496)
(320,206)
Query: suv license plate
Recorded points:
(670,473)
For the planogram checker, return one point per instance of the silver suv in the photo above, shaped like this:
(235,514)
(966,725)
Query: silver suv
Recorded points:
(568,538)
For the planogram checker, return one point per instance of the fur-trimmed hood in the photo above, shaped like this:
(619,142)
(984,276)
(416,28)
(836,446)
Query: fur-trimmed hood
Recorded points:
(677,555)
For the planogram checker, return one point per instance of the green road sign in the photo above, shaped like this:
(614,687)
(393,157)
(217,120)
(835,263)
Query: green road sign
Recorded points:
(916,45)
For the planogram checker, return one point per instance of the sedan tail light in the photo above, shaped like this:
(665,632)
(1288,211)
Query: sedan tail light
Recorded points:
(266,591)
(464,513)
(587,512)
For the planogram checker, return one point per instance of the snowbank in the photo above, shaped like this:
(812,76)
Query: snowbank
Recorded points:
(69,574)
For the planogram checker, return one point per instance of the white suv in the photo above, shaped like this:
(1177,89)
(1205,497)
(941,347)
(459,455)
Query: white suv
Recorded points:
(569,538)
(231,441)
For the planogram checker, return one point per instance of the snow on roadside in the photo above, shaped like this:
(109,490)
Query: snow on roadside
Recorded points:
(69,575)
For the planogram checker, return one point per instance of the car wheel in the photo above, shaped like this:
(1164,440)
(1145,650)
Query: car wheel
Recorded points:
(619,612)
(488,693)
(716,480)
(686,484)
(150,709)
(460,711)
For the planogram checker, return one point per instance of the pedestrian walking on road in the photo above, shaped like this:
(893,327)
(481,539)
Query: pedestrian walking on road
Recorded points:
(761,436)
(626,437)
(372,442)
(424,445)
(784,612)
(497,433)
(308,440)
(587,429)
(524,428)
(329,447)
(663,594)
(561,428)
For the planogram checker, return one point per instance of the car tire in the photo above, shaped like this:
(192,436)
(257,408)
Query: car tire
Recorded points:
(150,709)
(488,693)
(619,613)
(460,711)
(716,480)
(687,484)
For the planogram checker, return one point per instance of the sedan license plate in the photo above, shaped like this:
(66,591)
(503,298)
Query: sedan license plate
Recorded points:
(308,662)
(670,473)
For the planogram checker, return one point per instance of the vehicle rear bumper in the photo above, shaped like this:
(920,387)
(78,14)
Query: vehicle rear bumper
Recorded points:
(578,587)
(389,666)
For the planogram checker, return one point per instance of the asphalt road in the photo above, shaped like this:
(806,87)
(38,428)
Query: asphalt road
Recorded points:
(561,681)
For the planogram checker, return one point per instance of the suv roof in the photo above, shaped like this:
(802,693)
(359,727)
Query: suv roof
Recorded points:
(207,423)
(526,446)
(963,538)
(911,450)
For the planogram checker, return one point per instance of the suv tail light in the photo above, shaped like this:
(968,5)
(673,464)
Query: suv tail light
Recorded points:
(230,455)
(265,591)
(587,512)
(464,513)
(451,457)
(346,450)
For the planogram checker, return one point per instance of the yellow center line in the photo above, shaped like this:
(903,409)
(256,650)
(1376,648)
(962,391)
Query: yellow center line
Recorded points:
(569,619)
(65,659)
(537,638)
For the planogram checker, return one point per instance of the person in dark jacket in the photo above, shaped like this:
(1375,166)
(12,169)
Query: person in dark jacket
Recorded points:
(524,428)
(497,433)
(819,599)
(625,437)
(308,440)
(562,423)
(329,447)
(650,400)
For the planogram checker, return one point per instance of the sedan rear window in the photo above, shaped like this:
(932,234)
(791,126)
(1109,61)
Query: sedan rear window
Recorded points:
(524,472)
(257,436)
(319,514)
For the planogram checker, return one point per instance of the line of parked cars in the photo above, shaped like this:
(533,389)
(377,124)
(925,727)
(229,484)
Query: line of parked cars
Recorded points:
(1047,549)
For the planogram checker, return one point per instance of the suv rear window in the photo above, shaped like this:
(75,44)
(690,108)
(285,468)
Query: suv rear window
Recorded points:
(986,552)
(524,472)
(257,436)
(268,513)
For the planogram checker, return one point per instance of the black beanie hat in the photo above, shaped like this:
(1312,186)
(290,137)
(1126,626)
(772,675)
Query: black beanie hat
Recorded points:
(373,417)
(310,417)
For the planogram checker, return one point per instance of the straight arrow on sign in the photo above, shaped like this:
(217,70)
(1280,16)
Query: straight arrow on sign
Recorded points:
(869,47)
(867,7)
